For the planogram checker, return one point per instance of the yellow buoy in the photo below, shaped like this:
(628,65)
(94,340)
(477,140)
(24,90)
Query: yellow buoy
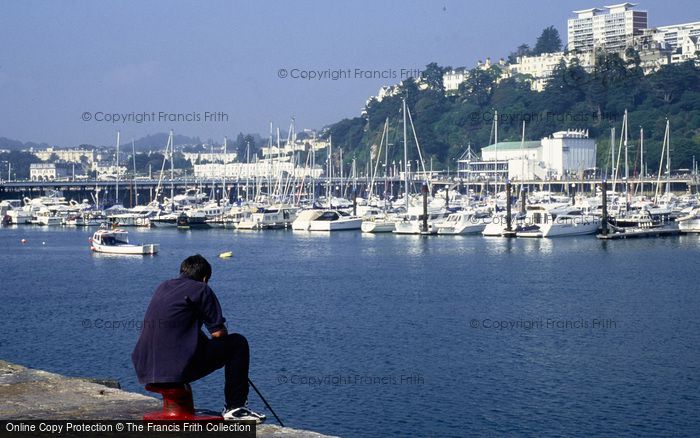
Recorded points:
(226,255)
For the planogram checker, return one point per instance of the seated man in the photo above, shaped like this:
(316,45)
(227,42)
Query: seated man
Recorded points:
(173,348)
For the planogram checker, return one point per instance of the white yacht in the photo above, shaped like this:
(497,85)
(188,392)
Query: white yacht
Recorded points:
(192,196)
(572,222)
(117,242)
(550,220)
(44,217)
(463,222)
(76,220)
(269,218)
(326,220)
(690,223)
(378,224)
(15,211)
(496,224)
(164,220)
(412,223)
(375,220)
(236,214)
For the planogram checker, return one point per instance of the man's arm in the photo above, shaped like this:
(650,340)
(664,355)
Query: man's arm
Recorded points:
(213,317)
(220,333)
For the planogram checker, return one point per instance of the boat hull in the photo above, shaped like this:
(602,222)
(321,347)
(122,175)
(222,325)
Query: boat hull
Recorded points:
(461,229)
(147,249)
(689,225)
(377,227)
(563,230)
(338,225)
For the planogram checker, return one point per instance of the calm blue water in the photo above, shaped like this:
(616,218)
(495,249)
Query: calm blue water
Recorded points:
(360,335)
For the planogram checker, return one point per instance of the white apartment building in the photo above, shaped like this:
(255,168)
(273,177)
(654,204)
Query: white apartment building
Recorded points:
(107,170)
(66,155)
(210,157)
(541,67)
(612,28)
(682,41)
(563,153)
(675,35)
(261,169)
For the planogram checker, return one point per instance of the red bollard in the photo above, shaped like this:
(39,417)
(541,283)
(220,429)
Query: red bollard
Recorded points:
(178,403)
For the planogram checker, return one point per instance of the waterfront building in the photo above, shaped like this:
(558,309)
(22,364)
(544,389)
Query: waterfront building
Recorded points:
(107,170)
(261,169)
(564,153)
(210,157)
(47,171)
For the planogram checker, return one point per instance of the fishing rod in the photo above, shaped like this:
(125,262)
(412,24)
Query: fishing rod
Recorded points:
(199,312)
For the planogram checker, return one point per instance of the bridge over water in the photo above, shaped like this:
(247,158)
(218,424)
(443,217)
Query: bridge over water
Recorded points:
(144,191)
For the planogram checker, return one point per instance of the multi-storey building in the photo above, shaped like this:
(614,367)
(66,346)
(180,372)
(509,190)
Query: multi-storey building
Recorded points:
(541,67)
(210,157)
(66,155)
(47,171)
(259,169)
(451,79)
(612,28)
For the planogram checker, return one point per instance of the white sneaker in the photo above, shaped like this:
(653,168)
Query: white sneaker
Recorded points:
(243,414)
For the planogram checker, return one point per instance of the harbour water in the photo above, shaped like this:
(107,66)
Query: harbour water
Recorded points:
(382,335)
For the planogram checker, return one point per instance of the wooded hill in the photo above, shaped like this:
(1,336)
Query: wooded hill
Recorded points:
(573,99)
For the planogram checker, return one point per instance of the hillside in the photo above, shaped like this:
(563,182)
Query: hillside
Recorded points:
(573,99)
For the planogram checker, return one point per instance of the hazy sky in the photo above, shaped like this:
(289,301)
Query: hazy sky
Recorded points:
(61,59)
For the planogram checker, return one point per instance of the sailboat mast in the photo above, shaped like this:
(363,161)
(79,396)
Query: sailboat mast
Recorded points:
(269,163)
(641,158)
(495,148)
(386,158)
(522,157)
(330,170)
(405,155)
(342,188)
(133,155)
(223,179)
(612,153)
(313,167)
(627,171)
(172,171)
(661,163)
(668,157)
(117,169)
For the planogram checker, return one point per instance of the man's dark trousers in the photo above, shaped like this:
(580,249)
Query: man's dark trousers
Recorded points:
(230,352)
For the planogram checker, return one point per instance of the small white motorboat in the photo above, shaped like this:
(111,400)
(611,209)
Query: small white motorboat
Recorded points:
(690,223)
(117,242)
(325,220)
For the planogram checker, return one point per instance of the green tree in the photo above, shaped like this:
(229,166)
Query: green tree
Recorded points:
(522,50)
(20,162)
(576,98)
(432,75)
(549,41)
(478,85)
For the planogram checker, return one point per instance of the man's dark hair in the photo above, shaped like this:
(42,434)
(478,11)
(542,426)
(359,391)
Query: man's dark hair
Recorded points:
(196,267)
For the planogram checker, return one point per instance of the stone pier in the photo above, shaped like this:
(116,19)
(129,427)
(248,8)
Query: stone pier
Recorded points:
(29,394)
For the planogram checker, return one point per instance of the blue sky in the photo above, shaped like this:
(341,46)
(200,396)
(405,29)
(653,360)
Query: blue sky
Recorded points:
(60,59)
